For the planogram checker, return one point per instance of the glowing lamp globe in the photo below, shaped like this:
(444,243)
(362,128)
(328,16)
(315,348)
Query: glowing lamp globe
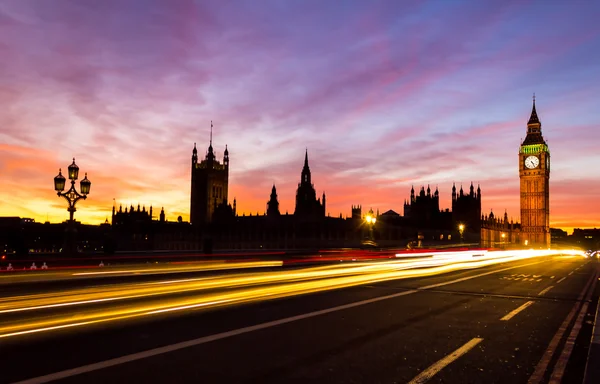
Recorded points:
(59,182)
(85,185)
(73,171)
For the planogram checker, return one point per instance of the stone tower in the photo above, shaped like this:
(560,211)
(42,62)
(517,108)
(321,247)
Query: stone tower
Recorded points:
(534,175)
(210,182)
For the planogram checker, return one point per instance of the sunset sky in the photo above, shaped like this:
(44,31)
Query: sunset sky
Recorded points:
(384,94)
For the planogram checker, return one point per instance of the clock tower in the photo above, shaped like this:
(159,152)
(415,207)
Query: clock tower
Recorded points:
(534,174)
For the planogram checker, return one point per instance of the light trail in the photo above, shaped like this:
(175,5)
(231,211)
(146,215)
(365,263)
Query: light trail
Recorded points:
(167,297)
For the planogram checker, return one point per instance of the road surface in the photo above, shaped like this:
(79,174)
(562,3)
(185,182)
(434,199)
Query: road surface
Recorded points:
(518,321)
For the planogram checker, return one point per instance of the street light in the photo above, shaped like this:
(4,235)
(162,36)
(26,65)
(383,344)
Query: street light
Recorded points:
(461,230)
(72,197)
(371,220)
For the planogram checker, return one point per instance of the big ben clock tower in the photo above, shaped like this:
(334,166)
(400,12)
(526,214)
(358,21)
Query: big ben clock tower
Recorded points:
(534,173)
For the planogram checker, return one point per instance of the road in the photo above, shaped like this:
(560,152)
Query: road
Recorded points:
(518,321)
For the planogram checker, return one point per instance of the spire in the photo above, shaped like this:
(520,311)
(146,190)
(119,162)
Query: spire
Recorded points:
(533,119)
(305,178)
(306,158)
(194,151)
(534,128)
(210,156)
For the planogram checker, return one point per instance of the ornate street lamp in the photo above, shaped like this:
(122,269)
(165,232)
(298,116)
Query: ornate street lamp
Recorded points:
(72,196)
(461,230)
(371,220)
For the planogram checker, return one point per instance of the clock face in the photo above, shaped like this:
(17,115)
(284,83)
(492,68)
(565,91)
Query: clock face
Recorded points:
(532,162)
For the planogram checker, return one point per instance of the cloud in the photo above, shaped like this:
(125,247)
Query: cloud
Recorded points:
(384,95)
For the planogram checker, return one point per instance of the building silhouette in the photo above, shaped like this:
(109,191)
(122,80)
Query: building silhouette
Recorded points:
(534,175)
(423,209)
(466,208)
(209,184)
(273,204)
(308,206)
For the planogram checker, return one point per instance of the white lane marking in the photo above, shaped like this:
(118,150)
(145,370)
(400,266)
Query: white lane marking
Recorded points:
(561,280)
(545,290)
(475,276)
(552,277)
(538,375)
(441,364)
(570,273)
(206,339)
(513,313)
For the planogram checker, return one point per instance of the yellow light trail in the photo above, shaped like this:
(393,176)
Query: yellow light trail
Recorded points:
(191,294)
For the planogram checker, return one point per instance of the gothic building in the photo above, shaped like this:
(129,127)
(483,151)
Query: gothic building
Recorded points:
(534,175)
(273,204)
(210,180)
(423,209)
(307,204)
(131,217)
(466,208)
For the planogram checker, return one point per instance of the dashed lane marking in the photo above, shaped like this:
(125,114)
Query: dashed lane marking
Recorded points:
(545,290)
(513,313)
(561,280)
(223,335)
(427,374)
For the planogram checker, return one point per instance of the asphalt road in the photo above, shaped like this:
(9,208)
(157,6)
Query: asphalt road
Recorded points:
(518,322)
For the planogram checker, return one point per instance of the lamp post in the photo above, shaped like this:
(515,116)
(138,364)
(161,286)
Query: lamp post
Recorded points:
(503,236)
(461,230)
(371,220)
(72,196)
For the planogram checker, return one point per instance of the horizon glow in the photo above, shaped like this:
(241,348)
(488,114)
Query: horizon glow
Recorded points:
(384,95)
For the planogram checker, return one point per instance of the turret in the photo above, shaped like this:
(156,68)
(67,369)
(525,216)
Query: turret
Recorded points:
(324,211)
(461,191)
(273,204)
(437,192)
(412,194)
(478,192)
(162,215)
(194,155)
(453,191)
(226,157)
(428,191)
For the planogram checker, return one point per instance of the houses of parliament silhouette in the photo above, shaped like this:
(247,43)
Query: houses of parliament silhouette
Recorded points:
(214,219)
(216,224)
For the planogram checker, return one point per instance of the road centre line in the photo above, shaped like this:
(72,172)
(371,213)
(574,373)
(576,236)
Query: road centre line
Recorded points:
(223,335)
(441,364)
(545,290)
(513,313)
(561,280)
